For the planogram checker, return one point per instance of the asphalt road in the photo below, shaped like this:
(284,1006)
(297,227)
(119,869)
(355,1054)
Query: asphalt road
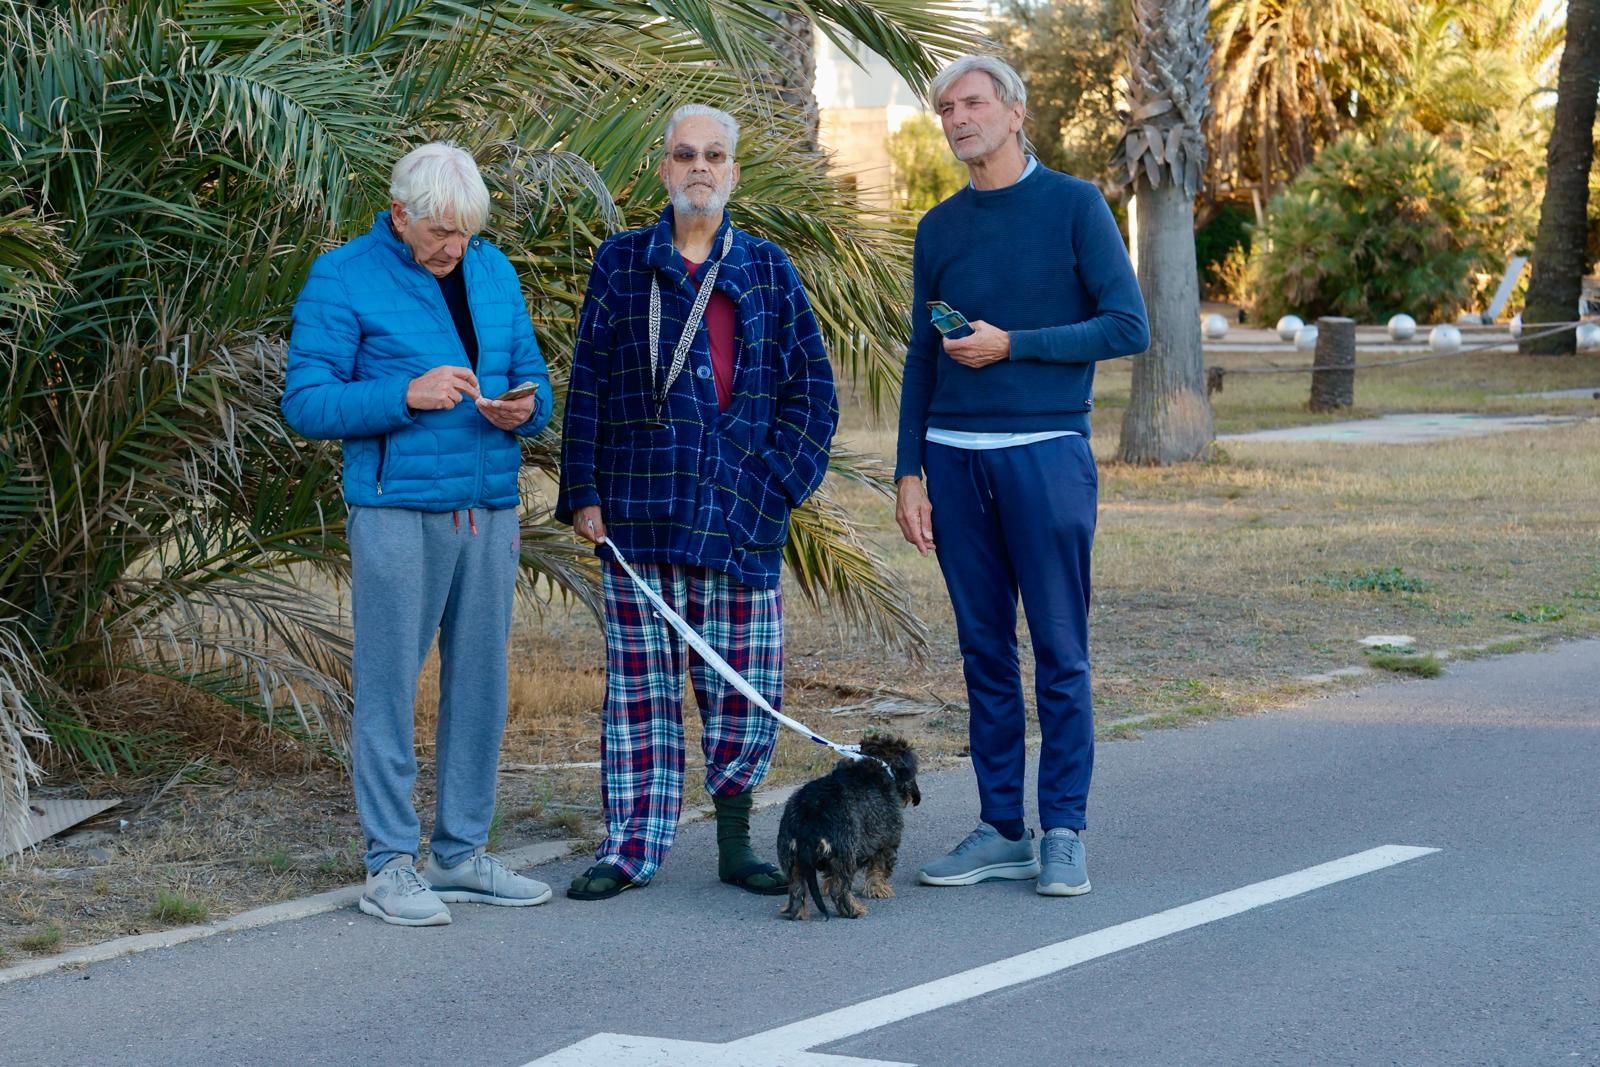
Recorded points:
(1486,950)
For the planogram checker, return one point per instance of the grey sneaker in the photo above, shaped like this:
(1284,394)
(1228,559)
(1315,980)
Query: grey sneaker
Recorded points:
(1064,870)
(985,854)
(482,879)
(397,894)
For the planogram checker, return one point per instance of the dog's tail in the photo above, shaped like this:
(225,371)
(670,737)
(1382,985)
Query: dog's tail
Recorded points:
(820,852)
(816,891)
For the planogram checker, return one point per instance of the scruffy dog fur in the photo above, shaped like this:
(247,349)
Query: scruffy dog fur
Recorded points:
(846,821)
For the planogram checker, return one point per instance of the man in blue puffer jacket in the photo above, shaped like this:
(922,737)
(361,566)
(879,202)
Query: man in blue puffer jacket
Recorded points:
(700,412)
(405,343)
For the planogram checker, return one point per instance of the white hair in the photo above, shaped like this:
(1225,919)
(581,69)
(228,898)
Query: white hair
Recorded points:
(1007,85)
(730,125)
(440,180)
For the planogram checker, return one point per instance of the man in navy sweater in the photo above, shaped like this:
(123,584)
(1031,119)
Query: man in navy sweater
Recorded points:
(997,418)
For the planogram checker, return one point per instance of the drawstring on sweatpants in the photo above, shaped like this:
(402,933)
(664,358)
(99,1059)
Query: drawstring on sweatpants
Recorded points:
(472,522)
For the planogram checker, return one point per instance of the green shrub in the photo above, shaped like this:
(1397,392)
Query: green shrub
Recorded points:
(1370,229)
(1225,237)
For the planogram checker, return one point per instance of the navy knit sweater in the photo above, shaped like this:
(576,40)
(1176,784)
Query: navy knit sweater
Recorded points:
(1042,260)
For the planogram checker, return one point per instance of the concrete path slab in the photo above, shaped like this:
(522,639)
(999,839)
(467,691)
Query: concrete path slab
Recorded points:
(1406,429)
(1588,392)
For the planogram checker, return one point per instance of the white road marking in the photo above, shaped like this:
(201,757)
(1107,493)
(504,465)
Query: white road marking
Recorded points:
(786,1046)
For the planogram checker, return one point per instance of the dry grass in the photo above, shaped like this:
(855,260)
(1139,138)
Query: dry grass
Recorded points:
(1220,588)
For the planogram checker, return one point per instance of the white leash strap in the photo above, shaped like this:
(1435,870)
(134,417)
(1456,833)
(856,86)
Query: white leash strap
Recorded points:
(721,666)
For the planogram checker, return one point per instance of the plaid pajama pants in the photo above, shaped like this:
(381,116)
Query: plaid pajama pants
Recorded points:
(641,738)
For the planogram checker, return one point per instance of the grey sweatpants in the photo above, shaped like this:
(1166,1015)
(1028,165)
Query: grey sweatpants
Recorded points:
(417,574)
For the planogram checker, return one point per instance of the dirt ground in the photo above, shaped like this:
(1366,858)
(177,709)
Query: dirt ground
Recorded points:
(1221,588)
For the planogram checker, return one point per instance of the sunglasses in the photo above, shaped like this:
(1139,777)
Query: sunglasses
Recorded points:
(947,320)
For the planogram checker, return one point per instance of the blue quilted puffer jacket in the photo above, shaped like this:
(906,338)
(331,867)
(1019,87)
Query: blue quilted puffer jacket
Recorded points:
(369,320)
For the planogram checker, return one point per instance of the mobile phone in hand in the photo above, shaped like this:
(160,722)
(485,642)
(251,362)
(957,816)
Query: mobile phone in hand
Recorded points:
(517,392)
(948,321)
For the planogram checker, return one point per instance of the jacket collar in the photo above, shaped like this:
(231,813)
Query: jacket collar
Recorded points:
(384,234)
(665,260)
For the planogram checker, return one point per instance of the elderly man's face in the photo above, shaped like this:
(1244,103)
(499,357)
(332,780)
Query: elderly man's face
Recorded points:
(437,244)
(975,122)
(699,171)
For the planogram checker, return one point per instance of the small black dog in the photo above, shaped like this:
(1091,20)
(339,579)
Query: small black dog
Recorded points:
(847,821)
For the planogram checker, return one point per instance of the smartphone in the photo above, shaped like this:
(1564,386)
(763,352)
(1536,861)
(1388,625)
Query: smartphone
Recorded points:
(948,321)
(517,392)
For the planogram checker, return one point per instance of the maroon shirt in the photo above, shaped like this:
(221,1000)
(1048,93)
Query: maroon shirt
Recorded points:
(719,328)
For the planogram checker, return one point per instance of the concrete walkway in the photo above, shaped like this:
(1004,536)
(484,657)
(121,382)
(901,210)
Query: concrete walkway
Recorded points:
(1407,429)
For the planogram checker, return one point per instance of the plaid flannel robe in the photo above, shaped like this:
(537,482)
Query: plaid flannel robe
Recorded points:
(686,483)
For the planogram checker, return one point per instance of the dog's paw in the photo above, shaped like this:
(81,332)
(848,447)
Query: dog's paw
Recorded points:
(877,890)
(850,908)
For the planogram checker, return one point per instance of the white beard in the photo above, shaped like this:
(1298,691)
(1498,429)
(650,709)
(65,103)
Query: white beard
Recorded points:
(712,207)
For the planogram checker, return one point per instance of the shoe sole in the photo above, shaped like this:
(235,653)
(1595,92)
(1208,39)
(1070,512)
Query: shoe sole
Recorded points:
(1014,871)
(473,896)
(589,894)
(441,918)
(1061,889)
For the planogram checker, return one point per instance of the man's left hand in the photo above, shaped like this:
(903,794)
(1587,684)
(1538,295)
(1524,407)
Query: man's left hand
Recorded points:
(507,414)
(985,345)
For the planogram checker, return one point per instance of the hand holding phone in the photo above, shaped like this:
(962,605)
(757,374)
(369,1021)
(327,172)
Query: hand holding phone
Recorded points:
(517,392)
(948,321)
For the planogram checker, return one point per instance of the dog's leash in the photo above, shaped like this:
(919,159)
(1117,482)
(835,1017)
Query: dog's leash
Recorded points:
(733,677)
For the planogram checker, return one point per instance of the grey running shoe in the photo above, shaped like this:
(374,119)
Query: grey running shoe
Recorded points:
(985,854)
(397,894)
(482,879)
(1064,870)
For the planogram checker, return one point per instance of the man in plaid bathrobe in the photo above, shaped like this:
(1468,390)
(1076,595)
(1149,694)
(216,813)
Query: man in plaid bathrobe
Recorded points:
(700,411)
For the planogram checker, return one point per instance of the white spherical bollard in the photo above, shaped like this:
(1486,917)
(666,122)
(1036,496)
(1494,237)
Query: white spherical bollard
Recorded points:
(1287,327)
(1305,338)
(1402,327)
(1516,326)
(1444,339)
(1588,337)
(1216,327)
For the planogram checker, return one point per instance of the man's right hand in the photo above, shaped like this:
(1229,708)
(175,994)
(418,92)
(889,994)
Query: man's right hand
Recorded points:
(586,522)
(441,389)
(914,513)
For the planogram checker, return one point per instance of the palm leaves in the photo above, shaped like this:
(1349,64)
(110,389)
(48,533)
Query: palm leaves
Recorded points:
(1284,74)
(173,166)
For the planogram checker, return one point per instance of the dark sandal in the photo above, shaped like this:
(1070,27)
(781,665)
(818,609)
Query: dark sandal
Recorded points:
(600,882)
(751,878)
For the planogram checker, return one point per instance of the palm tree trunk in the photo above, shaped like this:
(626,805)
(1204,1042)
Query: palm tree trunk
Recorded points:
(792,80)
(1558,264)
(1161,157)
(1169,417)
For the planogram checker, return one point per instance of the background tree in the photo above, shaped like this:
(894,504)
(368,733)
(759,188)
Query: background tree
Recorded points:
(922,169)
(1072,102)
(170,169)
(1558,253)
(1161,157)
(1370,229)
(1288,81)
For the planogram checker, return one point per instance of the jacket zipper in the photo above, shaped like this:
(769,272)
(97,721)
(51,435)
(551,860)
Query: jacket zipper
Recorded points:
(383,453)
(477,491)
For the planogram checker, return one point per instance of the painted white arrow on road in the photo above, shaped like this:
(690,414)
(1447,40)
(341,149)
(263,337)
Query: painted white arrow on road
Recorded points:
(786,1046)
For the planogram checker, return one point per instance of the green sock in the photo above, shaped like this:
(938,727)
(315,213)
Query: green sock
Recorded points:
(734,853)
